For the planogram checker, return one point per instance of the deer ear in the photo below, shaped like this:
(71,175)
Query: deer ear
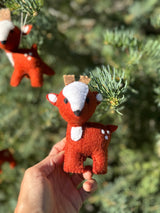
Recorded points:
(26,29)
(99,97)
(52,98)
(112,128)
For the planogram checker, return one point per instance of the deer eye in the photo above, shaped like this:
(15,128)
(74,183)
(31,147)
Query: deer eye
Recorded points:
(87,100)
(65,100)
(12,31)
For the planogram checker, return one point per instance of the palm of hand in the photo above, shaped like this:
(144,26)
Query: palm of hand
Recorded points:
(47,188)
(65,195)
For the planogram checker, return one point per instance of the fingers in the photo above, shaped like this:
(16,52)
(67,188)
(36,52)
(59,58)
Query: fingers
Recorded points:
(48,165)
(58,147)
(87,174)
(77,179)
(89,187)
(55,157)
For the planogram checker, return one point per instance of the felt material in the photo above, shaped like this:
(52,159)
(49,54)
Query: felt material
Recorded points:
(5,14)
(5,27)
(76,133)
(93,143)
(26,62)
(76,93)
(6,156)
(83,139)
(67,113)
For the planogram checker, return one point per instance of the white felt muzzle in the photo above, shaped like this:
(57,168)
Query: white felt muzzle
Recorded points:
(5,27)
(76,94)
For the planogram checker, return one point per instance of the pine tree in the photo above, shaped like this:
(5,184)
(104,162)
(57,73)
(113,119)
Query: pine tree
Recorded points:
(117,44)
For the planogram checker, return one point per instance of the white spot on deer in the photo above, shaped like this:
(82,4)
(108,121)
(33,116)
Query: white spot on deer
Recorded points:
(5,28)
(108,132)
(30,53)
(29,58)
(106,137)
(25,54)
(76,94)
(102,131)
(76,133)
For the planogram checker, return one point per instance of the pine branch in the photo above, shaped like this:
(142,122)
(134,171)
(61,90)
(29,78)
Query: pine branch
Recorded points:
(155,21)
(136,49)
(110,82)
(157,91)
(151,48)
(30,7)
(124,39)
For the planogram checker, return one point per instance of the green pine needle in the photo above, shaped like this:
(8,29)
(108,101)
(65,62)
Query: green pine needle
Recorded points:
(121,38)
(110,82)
(155,21)
(30,7)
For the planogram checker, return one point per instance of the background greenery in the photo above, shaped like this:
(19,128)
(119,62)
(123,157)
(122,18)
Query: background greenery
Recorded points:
(74,37)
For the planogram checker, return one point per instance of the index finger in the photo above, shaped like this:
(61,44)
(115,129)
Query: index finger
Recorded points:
(58,147)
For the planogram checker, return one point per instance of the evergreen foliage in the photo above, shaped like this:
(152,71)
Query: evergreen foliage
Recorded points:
(119,43)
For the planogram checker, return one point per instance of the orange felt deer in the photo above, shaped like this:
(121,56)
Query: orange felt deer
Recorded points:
(26,62)
(76,104)
(6,156)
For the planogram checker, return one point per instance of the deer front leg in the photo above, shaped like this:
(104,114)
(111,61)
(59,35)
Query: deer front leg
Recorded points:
(36,77)
(73,162)
(16,77)
(99,162)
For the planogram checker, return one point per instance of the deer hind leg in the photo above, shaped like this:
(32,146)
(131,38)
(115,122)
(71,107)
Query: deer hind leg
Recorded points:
(73,162)
(36,77)
(16,78)
(99,162)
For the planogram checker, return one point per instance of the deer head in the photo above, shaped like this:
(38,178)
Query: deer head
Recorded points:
(76,103)
(9,34)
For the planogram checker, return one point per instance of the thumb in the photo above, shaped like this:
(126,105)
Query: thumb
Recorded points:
(48,165)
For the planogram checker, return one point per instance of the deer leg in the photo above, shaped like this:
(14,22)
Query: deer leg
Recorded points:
(73,162)
(36,77)
(16,78)
(99,162)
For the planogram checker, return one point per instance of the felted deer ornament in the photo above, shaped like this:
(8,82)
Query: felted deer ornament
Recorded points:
(76,104)
(26,62)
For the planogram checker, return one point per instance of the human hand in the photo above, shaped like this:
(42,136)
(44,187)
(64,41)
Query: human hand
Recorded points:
(46,188)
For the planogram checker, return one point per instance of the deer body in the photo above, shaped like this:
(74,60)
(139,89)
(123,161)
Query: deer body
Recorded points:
(93,143)
(83,139)
(26,62)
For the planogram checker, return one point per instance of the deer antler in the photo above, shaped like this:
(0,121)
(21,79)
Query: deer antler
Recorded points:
(84,79)
(68,79)
(5,14)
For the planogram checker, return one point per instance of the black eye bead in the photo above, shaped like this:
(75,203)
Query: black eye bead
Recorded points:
(87,100)
(65,100)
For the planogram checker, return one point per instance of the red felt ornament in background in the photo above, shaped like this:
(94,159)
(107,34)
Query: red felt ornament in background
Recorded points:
(26,62)
(6,156)
(76,104)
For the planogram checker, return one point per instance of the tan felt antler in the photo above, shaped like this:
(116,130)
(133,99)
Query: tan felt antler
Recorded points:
(84,79)
(5,14)
(68,79)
